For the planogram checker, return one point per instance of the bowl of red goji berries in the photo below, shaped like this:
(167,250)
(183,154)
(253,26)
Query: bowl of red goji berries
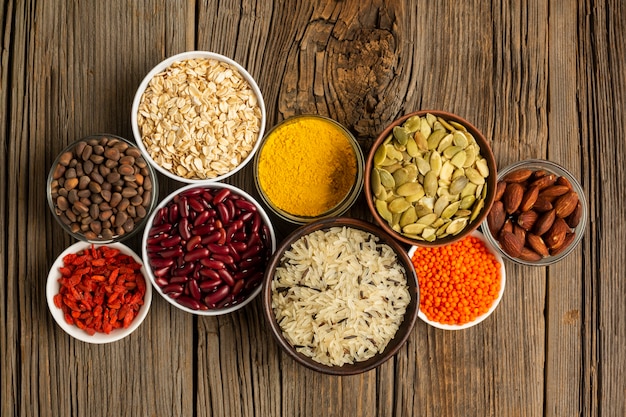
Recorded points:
(461,283)
(98,293)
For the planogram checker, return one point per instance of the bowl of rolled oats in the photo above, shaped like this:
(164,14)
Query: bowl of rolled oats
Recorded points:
(198,117)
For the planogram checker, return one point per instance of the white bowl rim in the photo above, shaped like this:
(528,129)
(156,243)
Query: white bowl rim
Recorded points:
(181,57)
(495,304)
(52,289)
(146,234)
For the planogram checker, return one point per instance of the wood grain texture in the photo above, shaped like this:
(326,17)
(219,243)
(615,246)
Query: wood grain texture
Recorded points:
(540,78)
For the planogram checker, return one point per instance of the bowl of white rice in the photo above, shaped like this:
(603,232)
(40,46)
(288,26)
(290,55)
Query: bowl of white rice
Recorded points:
(340,296)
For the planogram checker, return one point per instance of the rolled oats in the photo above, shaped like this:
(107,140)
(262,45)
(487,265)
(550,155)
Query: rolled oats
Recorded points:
(199,118)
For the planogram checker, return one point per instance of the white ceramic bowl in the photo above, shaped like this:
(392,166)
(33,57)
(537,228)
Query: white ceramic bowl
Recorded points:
(53,286)
(498,257)
(161,67)
(146,236)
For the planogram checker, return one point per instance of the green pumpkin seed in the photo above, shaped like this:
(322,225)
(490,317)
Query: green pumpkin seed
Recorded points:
(413,236)
(386,179)
(441,232)
(451,210)
(445,143)
(380,155)
(470,189)
(413,124)
(414,228)
(429,234)
(401,134)
(474,176)
(445,124)
(477,208)
(423,166)
(438,223)
(408,217)
(427,219)
(457,225)
(431,119)
(435,138)
(479,191)
(428,202)
(399,205)
(482,167)
(446,171)
(452,150)
(411,169)
(458,185)
(409,188)
(422,142)
(470,156)
(458,126)
(393,153)
(377,186)
(441,203)
(413,198)
(463,213)
(400,176)
(460,140)
(459,172)
(411,148)
(458,160)
(425,127)
(381,208)
(430,183)
(467,202)
(435,162)
(393,167)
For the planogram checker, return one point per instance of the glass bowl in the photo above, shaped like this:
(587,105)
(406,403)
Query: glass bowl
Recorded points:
(343,223)
(551,168)
(100,189)
(190,132)
(205,255)
(442,230)
(298,180)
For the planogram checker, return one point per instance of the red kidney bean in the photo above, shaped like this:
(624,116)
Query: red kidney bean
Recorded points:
(161,281)
(185,269)
(178,279)
(231,208)
(202,218)
(220,249)
(162,262)
(193,192)
(250,262)
(194,290)
(237,287)
(161,273)
(188,302)
(172,288)
(245,205)
(193,243)
(212,263)
(233,252)
(226,277)
(222,211)
(246,216)
(172,253)
(256,223)
(173,213)
(195,204)
(251,251)
(253,280)
(160,216)
(183,207)
(218,295)
(160,228)
(154,248)
(227,259)
(211,274)
(220,196)
(206,199)
(156,240)
(170,241)
(222,238)
(183,228)
(206,231)
(196,254)
(209,284)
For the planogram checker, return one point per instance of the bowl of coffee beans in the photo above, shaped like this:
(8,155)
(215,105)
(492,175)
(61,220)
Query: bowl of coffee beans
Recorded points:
(100,189)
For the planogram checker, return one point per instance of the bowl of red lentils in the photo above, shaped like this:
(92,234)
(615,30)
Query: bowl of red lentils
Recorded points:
(98,293)
(198,117)
(461,284)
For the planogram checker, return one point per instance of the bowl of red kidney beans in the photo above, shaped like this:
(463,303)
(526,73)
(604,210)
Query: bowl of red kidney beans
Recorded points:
(206,247)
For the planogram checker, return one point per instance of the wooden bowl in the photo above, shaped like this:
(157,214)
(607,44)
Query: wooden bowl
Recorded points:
(490,180)
(402,333)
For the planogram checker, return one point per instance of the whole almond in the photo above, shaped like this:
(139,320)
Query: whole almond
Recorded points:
(529,255)
(527,219)
(511,244)
(500,187)
(538,174)
(528,201)
(542,205)
(545,181)
(544,222)
(555,237)
(537,243)
(512,197)
(574,219)
(519,232)
(507,226)
(564,181)
(554,190)
(569,238)
(519,175)
(496,218)
(566,204)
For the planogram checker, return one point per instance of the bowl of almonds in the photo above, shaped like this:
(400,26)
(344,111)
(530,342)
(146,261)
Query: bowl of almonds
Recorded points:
(430,178)
(198,117)
(539,214)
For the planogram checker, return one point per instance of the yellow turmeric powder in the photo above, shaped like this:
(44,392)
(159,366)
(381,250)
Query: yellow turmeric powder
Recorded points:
(307,166)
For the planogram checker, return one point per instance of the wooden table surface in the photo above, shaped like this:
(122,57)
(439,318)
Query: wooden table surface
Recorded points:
(541,79)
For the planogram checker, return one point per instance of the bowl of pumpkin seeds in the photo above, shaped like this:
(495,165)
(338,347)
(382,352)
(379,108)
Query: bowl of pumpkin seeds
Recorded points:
(430,178)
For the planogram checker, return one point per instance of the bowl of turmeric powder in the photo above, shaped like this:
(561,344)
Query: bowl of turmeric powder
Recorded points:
(308,167)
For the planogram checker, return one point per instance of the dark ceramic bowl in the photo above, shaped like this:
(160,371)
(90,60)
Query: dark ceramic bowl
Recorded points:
(401,335)
(473,221)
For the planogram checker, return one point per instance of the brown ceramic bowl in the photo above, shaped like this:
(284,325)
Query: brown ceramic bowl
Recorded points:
(473,220)
(402,333)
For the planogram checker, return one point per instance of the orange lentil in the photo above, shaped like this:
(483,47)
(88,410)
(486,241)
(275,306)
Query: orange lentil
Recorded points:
(458,282)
